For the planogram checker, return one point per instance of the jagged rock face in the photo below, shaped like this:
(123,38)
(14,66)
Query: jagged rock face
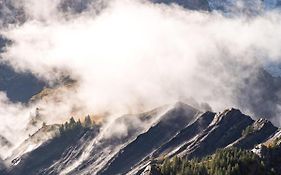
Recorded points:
(91,149)
(275,139)
(165,132)
(190,4)
(171,122)
(224,129)
(261,130)
(185,135)
(44,156)
(151,170)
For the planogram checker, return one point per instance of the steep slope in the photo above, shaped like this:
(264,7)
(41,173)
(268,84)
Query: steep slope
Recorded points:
(169,125)
(185,135)
(85,150)
(36,161)
(98,151)
(225,128)
(132,144)
(228,129)
(44,134)
(169,148)
(255,134)
(275,139)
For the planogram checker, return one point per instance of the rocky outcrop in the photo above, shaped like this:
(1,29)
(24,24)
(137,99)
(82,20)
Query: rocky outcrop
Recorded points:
(169,125)
(225,128)
(185,135)
(258,133)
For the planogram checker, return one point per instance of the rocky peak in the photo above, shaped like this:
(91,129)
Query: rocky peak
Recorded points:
(228,115)
(261,123)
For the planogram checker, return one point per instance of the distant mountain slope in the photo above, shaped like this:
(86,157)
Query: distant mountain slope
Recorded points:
(20,87)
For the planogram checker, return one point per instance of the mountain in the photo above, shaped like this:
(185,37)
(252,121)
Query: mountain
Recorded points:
(228,129)
(171,122)
(171,137)
(258,132)
(80,149)
(145,140)
(45,133)
(185,134)
(19,87)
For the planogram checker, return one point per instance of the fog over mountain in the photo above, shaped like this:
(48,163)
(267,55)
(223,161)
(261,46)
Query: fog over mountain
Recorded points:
(118,57)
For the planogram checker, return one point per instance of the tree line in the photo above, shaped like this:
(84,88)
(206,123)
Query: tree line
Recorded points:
(230,161)
(73,125)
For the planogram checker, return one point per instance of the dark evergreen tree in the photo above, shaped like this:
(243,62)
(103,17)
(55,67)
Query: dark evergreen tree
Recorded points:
(88,122)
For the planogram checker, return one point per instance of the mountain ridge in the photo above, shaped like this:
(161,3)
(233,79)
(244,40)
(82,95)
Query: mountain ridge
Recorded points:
(168,136)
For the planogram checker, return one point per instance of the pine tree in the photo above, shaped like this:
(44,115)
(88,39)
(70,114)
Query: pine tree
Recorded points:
(72,123)
(88,122)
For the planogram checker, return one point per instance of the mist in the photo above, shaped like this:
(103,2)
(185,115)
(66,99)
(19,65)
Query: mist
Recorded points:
(131,56)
